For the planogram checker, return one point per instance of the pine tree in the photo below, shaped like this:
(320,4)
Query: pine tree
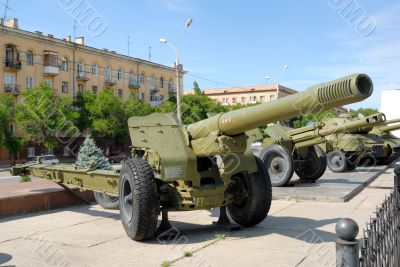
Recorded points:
(91,157)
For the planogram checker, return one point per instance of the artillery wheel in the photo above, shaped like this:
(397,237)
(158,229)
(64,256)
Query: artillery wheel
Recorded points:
(106,201)
(252,195)
(337,161)
(279,163)
(139,205)
(315,167)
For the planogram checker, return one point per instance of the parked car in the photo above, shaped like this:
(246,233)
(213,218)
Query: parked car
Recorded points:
(47,159)
(116,157)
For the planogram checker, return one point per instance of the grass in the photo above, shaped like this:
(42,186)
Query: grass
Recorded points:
(165,264)
(187,254)
(219,237)
(25,179)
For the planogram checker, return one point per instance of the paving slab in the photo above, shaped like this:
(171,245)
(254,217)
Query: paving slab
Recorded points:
(295,233)
(335,187)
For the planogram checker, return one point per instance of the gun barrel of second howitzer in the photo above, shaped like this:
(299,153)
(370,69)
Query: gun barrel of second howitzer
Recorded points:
(359,125)
(349,89)
(389,128)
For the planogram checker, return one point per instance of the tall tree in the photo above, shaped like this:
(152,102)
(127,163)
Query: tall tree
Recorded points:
(45,117)
(196,88)
(365,111)
(7,138)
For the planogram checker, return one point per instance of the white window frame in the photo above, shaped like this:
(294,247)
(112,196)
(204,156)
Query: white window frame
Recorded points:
(62,87)
(108,73)
(141,79)
(30,151)
(66,151)
(29,82)
(120,74)
(95,69)
(64,64)
(9,79)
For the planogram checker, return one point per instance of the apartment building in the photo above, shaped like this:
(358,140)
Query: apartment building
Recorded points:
(69,66)
(248,94)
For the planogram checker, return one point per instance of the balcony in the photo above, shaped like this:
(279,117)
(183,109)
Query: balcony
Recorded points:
(12,88)
(156,100)
(50,70)
(134,84)
(50,66)
(109,82)
(82,77)
(154,88)
(9,65)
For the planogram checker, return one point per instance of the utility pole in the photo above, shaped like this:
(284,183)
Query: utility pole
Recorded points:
(74,81)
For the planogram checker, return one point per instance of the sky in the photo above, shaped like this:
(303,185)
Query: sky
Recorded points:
(238,43)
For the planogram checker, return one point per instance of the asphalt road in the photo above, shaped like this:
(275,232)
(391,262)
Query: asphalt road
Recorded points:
(7,178)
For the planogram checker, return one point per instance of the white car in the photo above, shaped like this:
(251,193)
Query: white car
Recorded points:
(48,159)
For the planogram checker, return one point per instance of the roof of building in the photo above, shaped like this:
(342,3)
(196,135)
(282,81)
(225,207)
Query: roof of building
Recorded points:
(247,89)
(71,44)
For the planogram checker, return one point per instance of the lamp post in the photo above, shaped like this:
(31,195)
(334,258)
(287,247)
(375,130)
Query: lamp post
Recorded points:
(178,84)
(285,67)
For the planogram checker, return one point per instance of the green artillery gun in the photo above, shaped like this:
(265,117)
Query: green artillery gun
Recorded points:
(391,142)
(203,165)
(352,148)
(286,150)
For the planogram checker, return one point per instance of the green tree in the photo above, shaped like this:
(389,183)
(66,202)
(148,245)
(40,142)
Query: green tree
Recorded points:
(82,102)
(365,111)
(7,138)
(104,112)
(195,107)
(196,88)
(44,117)
(318,117)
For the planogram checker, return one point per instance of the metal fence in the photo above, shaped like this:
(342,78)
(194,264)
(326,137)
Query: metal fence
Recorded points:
(380,245)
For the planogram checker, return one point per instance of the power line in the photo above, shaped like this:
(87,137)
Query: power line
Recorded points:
(210,80)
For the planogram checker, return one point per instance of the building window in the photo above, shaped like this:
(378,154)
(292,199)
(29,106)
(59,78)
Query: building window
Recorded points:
(10,54)
(142,95)
(66,151)
(64,64)
(29,82)
(262,99)
(29,58)
(64,87)
(120,74)
(162,82)
(81,69)
(94,89)
(49,83)
(141,79)
(253,99)
(271,97)
(9,79)
(234,100)
(152,82)
(108,73)
(80,88)
(30,152)
(95,69)
(120,92)
(243,99)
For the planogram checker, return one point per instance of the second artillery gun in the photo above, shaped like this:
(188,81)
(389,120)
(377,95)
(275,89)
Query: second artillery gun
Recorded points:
(203,165)
(390,141)
(286,150)
(356,148)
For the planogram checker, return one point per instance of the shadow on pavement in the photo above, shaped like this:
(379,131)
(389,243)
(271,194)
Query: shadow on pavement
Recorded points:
(4,257)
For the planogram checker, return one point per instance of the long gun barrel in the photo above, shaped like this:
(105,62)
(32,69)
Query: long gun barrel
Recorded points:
(389,128)
(315,132)
(346,90)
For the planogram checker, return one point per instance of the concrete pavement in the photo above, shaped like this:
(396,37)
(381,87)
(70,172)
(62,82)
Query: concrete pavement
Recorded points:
(296,233)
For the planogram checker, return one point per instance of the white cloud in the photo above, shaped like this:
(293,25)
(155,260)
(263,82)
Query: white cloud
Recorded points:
(377,55)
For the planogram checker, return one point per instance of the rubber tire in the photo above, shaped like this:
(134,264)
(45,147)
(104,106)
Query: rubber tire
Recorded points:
(256,205)
(279,155)
(342,161)
(137,180)
(389,158)
(106,201)
(318,157)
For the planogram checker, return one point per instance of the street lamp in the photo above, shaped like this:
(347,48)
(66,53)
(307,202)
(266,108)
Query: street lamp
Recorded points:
(178,84)
(285,67)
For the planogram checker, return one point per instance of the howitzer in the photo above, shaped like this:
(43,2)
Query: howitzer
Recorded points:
(206,164)
(288,150)
(391,142)
(353,148)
